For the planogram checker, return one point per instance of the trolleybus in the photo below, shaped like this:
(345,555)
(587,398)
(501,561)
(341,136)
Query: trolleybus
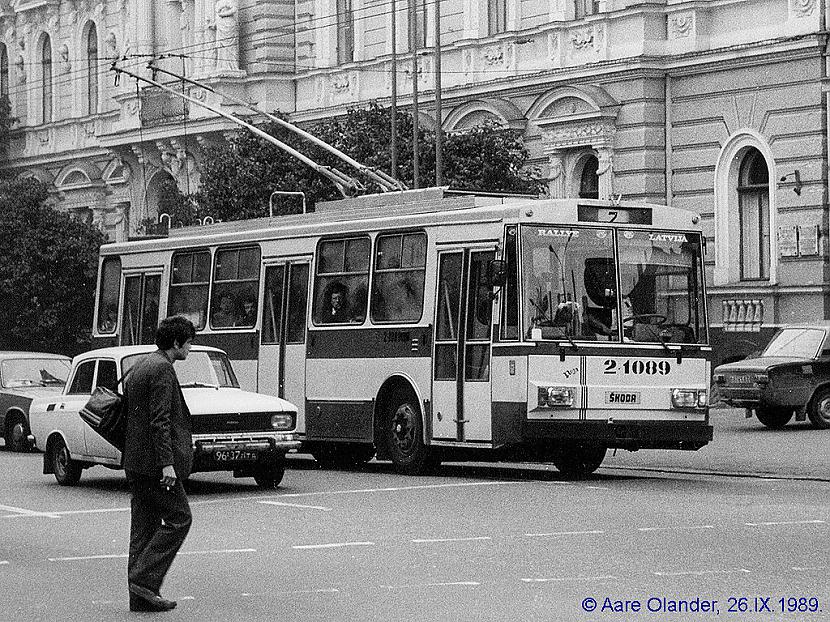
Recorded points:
(425,325)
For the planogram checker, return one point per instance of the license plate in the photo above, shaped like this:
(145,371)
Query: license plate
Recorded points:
(233,455)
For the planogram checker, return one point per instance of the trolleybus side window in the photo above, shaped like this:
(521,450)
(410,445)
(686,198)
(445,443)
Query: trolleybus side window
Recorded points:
(398,280)
(141,308)
(235,288)
(295,305)
(341,286)
(189,283)
(569,282)
(510,297)
(448,317)
(660,277)
(110,288)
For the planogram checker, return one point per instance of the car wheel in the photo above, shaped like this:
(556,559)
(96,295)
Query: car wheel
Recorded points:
(17,435)
(269,477)
(774,418)
(579,461)
(404,437)
(67,471)
(819,410)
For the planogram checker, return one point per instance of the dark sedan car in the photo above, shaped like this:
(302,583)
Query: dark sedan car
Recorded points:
(23,377)
(791,376)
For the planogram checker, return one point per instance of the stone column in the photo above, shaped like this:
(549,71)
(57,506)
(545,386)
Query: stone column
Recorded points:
(605,172)
(556,176)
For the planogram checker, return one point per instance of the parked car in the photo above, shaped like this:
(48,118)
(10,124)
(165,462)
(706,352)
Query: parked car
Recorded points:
(233,430)
(25,376)
(790,376)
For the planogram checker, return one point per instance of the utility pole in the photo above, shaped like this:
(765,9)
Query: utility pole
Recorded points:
(393,143)
(439,130)
(413,37)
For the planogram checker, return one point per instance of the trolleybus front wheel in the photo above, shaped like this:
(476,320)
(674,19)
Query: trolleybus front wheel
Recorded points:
(578,461)
(405,438)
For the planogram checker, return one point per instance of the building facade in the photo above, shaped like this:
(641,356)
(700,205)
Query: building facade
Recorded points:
(717,106)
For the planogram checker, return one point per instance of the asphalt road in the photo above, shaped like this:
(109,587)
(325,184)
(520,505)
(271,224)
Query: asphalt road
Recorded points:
(473,542)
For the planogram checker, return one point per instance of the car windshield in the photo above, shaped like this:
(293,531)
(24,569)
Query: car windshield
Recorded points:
(800,342)
(199,369)
(34,373)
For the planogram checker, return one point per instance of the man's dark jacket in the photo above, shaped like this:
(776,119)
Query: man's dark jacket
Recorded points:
(158,421)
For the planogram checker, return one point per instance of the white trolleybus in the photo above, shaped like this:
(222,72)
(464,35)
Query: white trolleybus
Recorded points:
(426,325)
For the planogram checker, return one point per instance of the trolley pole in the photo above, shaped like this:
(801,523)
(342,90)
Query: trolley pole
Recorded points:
(413,35)
(393,142)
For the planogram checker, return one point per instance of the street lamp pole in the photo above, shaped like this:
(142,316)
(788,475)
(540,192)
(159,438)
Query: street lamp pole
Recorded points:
(393,143)
(439,130)
(413,38)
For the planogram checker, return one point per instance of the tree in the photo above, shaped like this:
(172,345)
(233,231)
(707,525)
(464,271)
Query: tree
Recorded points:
(48,266)
(238,179)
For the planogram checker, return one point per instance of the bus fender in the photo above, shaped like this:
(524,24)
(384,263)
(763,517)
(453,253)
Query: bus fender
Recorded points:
(391,389)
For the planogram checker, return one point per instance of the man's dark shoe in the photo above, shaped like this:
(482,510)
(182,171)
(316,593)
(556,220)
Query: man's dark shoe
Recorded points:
(143,599)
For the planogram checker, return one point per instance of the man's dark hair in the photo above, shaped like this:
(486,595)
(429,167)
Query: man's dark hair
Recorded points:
(172,330)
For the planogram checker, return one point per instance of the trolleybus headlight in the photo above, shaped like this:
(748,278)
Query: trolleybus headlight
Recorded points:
(282,421)
(556,397)
(688,398)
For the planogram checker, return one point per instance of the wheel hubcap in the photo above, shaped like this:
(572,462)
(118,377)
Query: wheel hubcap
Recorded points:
(18,434)
(404,429)
(824,409)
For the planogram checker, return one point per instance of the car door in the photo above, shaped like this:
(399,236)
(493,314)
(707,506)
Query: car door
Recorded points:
(67,409)
(106,375)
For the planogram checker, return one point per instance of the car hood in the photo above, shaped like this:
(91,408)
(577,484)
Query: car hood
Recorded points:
(761,363)
(212,401)
(34,392)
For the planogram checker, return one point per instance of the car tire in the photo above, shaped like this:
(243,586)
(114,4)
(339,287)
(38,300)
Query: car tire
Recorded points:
(269,477)
(17,434)
(67,471)
(774,418)
(819,409)
(580,461)
(404,437)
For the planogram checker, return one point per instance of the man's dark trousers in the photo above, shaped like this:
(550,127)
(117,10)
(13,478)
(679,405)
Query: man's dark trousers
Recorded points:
(160,522)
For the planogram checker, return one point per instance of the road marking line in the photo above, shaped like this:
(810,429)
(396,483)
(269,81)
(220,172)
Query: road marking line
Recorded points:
(556,579)
(333,545)
(3,562)
(420,585)
(674,528)
(125,555)
(565,533)
(329,590)
(786,522)
(797,568)
(398,488)
(433,540)
(25,512)
(697,573)
(297,505)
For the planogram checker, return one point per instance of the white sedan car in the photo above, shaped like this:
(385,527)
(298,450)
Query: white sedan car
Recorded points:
(233,430)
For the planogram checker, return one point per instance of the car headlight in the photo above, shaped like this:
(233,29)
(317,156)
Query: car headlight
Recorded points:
(282,421)
(689,398)
(556,397)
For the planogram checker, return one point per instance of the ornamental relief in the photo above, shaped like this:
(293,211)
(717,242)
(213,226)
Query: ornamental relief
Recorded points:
(581,134)
(802,8)
(493,55)
(681,25)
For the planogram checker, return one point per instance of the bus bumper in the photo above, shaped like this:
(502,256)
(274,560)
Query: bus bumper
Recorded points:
(630,435)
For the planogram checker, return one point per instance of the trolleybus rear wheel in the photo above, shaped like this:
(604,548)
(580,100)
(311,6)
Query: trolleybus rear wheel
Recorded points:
(404,436)
(578,461)
(775,418)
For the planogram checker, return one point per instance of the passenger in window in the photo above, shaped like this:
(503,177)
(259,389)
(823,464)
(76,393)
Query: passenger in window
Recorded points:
(110,321)
(335,310)
(248,312)
(227,313)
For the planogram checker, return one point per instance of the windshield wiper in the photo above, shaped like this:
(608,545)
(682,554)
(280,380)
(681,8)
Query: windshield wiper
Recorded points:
(201,385)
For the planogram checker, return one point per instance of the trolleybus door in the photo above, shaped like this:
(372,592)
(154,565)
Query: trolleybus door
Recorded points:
(140,316)
(282,348)
(461,361)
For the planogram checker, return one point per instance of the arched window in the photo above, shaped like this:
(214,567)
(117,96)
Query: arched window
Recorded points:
(588,180)
(46,75)
(92,70)
(753,215)
(4,71)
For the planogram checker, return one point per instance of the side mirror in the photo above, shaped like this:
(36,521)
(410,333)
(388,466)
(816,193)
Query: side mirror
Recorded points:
(496,273)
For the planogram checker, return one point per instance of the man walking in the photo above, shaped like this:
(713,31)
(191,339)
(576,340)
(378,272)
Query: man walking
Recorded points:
(157,458)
